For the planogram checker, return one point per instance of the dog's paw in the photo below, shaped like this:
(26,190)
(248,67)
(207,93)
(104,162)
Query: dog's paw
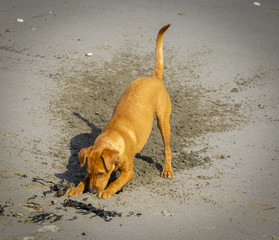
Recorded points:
(167,173)
(72,192)
(105,194)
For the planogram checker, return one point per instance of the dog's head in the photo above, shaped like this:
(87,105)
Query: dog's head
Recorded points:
(100,165)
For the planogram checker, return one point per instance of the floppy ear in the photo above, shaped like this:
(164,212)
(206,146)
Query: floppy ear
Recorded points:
(83,155)
(109,157)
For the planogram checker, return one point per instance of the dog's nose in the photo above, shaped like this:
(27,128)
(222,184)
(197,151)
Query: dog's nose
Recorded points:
(93,190)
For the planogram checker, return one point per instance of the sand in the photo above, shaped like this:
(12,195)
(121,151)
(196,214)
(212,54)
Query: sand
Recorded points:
(221,71)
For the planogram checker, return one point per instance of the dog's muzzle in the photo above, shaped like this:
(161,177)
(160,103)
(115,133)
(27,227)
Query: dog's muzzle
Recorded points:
(93,190)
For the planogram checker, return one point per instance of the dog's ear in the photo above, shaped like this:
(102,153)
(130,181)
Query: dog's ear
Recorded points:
(110,157)
(83,155)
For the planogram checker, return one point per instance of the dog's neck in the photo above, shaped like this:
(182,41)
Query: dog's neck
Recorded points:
(117,159)
(111,139)
(109,143)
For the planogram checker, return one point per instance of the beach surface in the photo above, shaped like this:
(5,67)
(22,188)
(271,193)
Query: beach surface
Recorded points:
(64,65)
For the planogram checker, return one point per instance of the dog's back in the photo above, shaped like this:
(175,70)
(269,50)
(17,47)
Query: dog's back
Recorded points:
(143,99)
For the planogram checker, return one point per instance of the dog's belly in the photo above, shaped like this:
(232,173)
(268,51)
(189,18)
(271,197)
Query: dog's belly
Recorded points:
(143,135)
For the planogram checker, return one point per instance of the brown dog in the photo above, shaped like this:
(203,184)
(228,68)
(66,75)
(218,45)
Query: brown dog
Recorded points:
(127,132)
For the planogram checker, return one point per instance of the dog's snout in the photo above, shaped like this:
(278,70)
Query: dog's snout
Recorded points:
(93,190)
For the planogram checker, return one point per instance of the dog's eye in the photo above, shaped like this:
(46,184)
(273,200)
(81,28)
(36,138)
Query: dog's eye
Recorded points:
(100,174)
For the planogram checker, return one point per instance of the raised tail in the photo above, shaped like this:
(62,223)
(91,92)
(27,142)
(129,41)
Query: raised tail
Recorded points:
(159,66)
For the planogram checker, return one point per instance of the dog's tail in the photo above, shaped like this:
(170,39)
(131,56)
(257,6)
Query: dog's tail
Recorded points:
(159,66)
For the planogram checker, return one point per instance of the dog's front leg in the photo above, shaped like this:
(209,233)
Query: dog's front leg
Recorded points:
(114,187)
(80,187)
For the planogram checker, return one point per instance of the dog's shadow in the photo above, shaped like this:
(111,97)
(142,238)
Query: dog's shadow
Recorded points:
(74,173)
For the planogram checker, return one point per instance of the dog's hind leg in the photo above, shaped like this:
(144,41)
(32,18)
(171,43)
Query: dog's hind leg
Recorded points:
(164,126)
